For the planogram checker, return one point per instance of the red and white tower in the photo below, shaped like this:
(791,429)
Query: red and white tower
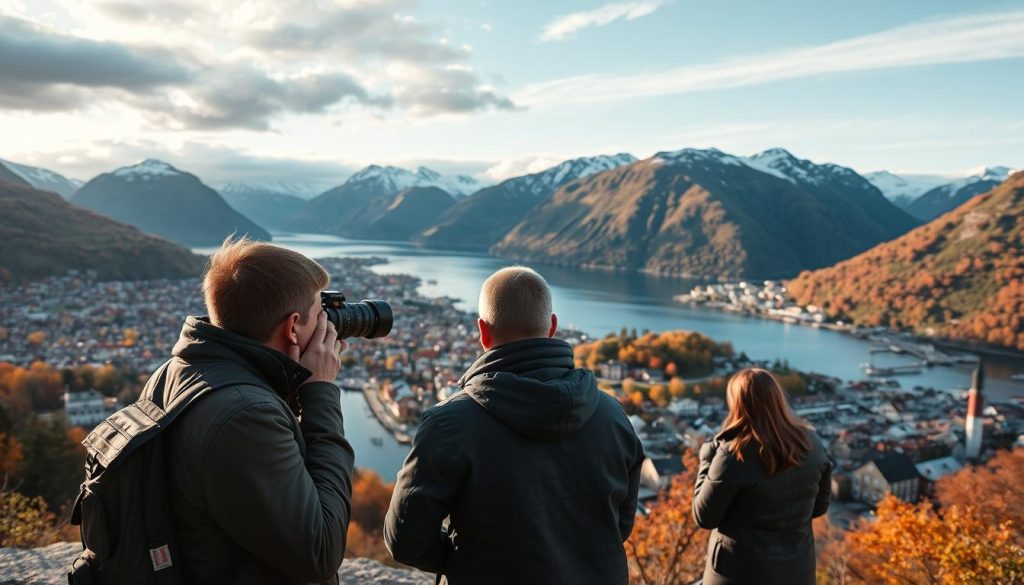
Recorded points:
(975,418)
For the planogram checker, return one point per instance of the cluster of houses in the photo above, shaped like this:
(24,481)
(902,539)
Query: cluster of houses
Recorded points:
(882,439)
(767,300)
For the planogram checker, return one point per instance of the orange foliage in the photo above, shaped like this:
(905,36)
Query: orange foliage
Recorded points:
(370,500)
(667,547)
(10,456)
(1000,480)
(961,276)
(677,352)
(911,544)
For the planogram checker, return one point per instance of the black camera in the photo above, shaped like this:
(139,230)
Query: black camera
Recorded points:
(367,319)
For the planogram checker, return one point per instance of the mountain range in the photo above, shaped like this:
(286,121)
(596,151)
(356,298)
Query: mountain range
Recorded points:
(959,276)
(41,234)
(929,196)
(265,205)
(43,179)
(348,208)
(480,221)
(160,199)
(708,214)
(947,197)
(691,212)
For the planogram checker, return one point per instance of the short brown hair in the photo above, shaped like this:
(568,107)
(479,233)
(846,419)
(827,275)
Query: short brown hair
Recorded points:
(516,303)
(250,287)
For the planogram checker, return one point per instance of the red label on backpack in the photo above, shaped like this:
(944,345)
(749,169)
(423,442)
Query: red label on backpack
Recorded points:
(161,557)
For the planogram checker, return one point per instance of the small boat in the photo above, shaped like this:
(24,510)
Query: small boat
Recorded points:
(1018,377)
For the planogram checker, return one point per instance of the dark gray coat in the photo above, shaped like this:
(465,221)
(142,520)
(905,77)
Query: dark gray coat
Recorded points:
(761,523)
(258,495)
(537,469)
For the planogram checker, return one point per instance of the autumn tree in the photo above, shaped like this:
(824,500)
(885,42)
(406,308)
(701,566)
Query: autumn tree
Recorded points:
(10,456)
(910,544)
(666,546)
(999,479)
(676,387)
(370,500)
(24,522)
(629,386)
(659,394)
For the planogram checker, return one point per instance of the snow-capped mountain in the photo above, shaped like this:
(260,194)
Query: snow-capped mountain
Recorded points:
(545,182)
(777,162)
(44,179)
(297,188)
(394,179)
(947,197)
(160,199)
(479,221)
(708,214)
(902,189)
(781,163)
(997,174)
(348,208)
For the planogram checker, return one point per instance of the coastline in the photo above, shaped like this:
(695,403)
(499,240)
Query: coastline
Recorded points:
(397,430)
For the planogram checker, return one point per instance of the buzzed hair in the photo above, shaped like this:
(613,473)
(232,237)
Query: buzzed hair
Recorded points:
(516,303)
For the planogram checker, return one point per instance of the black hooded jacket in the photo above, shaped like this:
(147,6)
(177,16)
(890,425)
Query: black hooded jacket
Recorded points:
(536,468)
(258,495)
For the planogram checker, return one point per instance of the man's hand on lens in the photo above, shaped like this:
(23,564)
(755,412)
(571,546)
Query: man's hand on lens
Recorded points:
(322,356)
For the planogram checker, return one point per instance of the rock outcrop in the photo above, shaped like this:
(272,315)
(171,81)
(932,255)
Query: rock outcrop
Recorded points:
(48,565)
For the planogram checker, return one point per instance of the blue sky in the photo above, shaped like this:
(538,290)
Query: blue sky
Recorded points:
(313,89)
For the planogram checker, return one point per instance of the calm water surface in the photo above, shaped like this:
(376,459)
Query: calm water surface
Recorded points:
(600,302)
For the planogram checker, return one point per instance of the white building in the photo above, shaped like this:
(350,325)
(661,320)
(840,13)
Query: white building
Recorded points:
(88,409)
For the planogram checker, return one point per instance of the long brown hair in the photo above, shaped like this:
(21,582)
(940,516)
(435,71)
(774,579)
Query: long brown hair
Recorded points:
(759,413)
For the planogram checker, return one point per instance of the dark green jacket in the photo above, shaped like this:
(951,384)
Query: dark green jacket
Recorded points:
(537,469)
(761,523)
(258,494)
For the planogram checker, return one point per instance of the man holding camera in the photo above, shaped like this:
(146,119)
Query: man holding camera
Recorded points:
(260,473)
(535,468)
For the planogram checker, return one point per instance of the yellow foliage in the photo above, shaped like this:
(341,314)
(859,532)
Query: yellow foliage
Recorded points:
(25,522)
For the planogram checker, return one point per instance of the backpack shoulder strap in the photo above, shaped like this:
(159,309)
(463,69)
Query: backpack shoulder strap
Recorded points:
(134,425)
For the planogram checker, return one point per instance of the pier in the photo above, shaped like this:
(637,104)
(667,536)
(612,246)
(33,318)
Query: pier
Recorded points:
(398,430)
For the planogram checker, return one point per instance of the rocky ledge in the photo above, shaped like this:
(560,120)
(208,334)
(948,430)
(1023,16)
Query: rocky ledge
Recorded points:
(48,565)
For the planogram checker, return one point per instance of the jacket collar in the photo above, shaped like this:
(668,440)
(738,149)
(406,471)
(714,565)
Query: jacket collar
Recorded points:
(201,340)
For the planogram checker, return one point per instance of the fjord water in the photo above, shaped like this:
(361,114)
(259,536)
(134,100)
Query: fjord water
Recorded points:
(600,302)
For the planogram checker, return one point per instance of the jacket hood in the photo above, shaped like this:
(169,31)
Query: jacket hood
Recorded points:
(200,340)
(533,387)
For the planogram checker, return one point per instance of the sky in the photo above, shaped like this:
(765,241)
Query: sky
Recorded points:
(313,90)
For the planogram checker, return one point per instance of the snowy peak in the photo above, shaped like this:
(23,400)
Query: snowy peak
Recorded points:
(300,189)
(904,187)
(547,181)
(992,173)
(43,179)
(394,179)
(781,163)
(695,155)
(146,170)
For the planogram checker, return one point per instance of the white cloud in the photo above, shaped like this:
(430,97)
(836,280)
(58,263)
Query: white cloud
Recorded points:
(978,37)
(566,26)
(212,64)
(521,165)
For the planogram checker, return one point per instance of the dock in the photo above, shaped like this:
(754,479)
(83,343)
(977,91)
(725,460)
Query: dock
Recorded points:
(398,430)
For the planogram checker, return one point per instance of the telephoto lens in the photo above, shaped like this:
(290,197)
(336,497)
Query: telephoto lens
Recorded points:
(367,319)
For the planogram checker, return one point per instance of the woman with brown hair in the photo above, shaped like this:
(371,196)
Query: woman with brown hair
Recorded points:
(761,480)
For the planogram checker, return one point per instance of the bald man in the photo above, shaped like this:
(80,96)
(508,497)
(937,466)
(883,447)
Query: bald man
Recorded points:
(535,469)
